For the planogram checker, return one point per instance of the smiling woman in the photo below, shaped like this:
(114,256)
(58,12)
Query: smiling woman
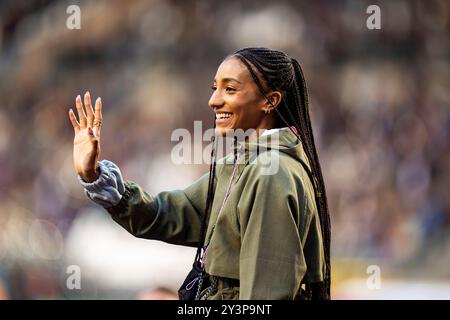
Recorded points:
(259,235)
(233,92)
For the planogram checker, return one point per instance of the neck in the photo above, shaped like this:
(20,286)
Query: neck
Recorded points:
(266,124)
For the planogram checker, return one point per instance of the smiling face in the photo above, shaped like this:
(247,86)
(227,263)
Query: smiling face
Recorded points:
(236,99)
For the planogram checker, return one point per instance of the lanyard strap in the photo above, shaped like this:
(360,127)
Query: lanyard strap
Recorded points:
(227,193)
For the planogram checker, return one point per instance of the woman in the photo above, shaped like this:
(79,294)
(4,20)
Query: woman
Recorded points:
(265,236)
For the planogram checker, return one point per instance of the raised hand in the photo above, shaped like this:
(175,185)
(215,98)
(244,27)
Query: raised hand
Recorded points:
(86,143)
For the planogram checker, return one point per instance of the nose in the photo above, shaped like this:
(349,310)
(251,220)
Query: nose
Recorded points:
(216,100)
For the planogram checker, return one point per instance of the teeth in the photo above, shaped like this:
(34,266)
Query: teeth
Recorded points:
(223,115)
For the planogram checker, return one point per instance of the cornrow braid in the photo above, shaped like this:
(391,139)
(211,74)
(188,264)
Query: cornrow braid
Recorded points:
(279,72)
(209,197)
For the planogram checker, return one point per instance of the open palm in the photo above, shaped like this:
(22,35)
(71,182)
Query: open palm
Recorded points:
(86,143)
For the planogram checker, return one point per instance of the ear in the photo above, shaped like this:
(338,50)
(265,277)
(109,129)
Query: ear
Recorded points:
(275,98)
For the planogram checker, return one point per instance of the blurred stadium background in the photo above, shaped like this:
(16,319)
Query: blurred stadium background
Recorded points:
(380,110)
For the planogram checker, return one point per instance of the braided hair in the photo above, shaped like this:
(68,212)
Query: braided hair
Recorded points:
(275,70)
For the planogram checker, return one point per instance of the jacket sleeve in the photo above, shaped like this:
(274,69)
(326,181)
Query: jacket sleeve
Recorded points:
(107,190)
(272,263)
(171,216)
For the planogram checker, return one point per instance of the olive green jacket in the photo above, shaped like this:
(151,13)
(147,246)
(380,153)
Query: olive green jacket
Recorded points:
(268,232)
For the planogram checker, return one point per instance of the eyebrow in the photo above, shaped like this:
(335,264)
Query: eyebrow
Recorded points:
(225,80)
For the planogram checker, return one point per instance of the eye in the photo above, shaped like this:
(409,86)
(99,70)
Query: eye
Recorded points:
(230,89)
(213,88)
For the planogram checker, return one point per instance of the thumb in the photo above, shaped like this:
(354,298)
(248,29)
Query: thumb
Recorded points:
(92,137)
(91,134)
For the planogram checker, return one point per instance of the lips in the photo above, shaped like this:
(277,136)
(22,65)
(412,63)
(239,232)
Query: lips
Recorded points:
(223,117)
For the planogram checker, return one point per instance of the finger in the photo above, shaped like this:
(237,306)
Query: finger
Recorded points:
(73,119)
(89,110)
(80,111)
(98,117)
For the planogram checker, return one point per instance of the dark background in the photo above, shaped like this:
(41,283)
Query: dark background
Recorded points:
(380,107)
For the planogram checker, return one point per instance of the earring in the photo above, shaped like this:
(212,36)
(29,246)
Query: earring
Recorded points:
(266,111)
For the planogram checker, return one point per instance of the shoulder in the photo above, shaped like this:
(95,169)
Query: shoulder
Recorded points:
(274,172)
(272,166)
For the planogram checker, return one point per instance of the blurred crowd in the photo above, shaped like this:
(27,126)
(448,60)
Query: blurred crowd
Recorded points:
(380,106)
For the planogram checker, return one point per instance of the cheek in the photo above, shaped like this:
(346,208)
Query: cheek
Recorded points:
(249,114)
(246,106)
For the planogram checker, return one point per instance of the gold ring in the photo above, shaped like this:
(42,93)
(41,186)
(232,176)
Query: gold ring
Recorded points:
(97,123)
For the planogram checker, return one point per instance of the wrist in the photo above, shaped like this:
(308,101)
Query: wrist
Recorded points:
(91,176)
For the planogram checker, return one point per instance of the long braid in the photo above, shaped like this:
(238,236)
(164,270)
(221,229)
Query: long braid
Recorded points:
(323,204)
(279,72)
(209,197)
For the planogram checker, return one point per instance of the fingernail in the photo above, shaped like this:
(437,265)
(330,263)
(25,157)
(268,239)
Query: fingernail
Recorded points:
(87,93)
(78,97)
